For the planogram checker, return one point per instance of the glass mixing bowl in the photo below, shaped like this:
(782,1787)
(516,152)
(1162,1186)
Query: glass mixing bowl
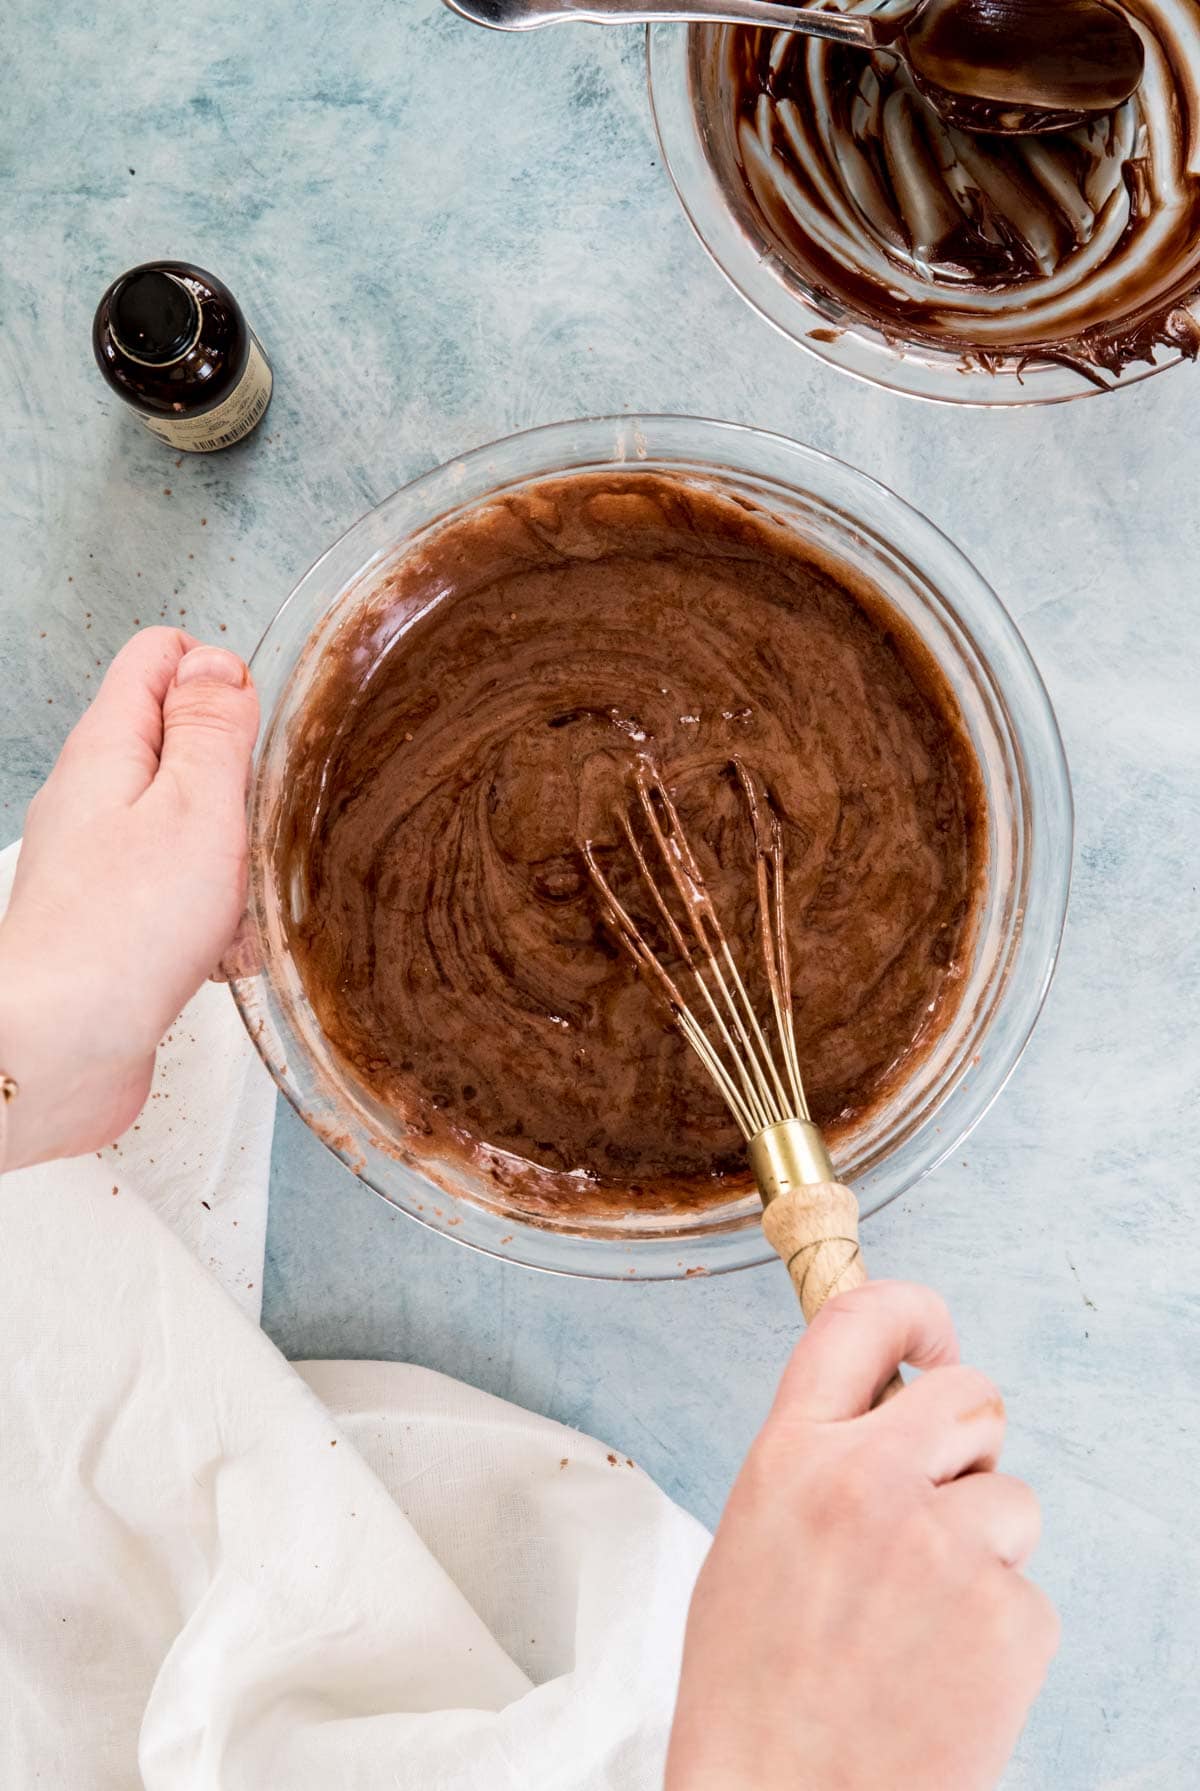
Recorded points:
(1005,709)
(694,116)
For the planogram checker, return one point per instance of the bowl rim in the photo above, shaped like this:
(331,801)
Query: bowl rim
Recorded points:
(737,1245)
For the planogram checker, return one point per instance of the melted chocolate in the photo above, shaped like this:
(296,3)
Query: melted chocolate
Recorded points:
(1082,247)
(480,717)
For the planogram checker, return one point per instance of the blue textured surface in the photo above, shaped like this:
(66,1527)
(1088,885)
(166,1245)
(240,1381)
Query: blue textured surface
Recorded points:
(442,236)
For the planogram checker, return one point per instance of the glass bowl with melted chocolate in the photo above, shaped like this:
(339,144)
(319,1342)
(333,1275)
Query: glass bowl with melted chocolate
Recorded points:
(455,696)
(964,267)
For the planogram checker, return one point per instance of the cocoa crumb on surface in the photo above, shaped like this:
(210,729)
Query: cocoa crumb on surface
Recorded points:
(565,1462)
(205,1204)
(612,1460)
(116,1190)
(166,491)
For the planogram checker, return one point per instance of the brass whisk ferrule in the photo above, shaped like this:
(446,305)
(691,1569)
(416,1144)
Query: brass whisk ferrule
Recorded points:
(789,1155)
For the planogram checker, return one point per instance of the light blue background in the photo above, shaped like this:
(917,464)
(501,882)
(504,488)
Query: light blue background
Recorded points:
(442,236)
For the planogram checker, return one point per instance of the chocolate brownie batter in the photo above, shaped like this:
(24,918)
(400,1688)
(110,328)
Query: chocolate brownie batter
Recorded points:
(481,717)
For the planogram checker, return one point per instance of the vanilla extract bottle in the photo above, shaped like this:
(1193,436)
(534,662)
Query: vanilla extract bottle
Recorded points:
(171,341)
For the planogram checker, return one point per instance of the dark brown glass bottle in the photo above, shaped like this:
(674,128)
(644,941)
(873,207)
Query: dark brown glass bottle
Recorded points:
(171,341)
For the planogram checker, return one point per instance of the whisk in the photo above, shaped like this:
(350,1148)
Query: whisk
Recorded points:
(809,1217)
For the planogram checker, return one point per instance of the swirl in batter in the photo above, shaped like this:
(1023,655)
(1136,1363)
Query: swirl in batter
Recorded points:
(1080,247)
(480,716)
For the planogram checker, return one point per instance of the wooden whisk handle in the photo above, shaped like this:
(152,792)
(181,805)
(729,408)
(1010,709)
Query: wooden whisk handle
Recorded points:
(814,1231)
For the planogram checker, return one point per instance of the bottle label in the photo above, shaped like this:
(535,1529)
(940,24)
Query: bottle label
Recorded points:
(232,419)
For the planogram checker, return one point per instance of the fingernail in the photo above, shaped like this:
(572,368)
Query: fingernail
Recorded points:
(213,664)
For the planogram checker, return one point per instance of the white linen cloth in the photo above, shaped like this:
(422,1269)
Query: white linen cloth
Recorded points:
(222,1572)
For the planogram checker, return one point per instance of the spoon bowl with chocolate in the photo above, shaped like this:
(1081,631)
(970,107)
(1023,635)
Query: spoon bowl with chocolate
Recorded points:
(455,694)
(932,248)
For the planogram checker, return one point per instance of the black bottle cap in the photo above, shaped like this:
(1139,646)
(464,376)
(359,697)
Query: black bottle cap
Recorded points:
(153,317)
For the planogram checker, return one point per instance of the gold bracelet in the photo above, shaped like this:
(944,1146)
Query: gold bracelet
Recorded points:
(8,1088)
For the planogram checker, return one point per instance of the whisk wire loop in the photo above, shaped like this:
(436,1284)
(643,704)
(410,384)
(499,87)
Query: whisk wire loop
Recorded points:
(739,1059)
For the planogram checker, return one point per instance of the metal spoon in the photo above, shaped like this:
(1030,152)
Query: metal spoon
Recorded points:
(1009,66)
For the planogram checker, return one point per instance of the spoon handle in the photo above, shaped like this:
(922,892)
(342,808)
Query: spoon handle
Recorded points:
(838,27)
(842,28)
